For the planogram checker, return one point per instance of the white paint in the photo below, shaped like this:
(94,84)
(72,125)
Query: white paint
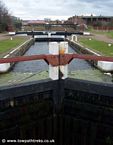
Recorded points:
(62,37)
(4,67)
(20,46)
(46,36)
(53,71)
(109,74)
(87,49)
(6,56)
(49,34)
(92,51)
(12,33)
(86,33)
(64,68)
(44,32)
(21,35)
(74,38)
(64,45)
(53,32)
(105,65)
(78,44)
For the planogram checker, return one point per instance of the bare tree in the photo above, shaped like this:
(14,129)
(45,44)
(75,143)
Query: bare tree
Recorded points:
(4,17)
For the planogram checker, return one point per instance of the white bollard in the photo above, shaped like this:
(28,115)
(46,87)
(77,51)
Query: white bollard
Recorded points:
(53,71)
(74,38)
(4,67)
(105,65)
(64,68)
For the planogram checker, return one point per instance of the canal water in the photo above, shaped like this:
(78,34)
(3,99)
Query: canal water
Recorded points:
(38,69)
(40,65)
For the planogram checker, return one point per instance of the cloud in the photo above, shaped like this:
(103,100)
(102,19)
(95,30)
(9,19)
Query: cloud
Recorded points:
(39,9)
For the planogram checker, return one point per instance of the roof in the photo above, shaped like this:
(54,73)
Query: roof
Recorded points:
(97,16)
(34,22)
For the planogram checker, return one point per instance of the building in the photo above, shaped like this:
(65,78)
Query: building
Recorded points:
(89,20)
(92,20)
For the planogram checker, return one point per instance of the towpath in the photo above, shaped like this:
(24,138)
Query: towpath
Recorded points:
(3,36)
(102,37)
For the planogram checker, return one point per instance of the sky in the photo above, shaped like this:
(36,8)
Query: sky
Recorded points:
(57,9)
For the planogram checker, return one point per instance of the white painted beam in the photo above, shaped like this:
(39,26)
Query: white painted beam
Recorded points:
(105,65)
(53,71)
(4,67)
(12,33)
(64,68)
(87,33)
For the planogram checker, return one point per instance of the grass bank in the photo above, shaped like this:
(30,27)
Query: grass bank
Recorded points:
(98,46)
(8,44)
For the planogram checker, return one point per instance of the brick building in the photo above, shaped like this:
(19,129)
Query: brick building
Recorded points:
(89,20)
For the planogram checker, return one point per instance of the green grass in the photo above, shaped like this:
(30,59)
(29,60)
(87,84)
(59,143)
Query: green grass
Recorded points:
(98,46)
(110,34)
(6,45)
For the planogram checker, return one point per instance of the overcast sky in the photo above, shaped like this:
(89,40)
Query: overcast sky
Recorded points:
(58,9)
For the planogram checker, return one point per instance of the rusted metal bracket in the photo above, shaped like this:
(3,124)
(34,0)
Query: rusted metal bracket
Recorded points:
(52,59)
(66,59)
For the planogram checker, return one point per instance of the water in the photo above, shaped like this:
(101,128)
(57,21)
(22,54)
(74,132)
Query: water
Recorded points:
(80,69)
(78,64)
(36,65)
(37,70)
(40,65)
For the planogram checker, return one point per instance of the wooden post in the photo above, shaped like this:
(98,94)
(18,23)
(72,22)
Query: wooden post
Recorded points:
(53,71)
(64,68)
(58,71)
